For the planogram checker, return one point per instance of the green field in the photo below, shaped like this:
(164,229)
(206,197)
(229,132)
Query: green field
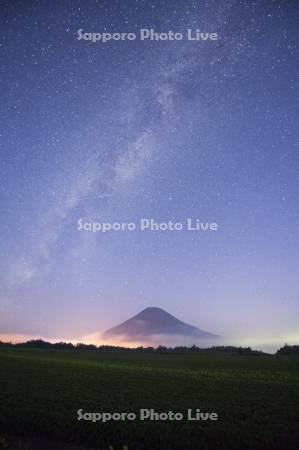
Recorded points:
(256,398)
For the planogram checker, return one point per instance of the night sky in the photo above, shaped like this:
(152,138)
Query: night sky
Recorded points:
(168,130)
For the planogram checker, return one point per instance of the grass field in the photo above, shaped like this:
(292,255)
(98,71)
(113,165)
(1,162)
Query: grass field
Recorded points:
(256,398)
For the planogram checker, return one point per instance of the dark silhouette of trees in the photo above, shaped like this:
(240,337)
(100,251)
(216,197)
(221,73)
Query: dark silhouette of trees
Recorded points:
(288,350)
(229,350)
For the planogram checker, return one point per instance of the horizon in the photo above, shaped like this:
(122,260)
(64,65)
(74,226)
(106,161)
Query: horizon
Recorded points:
(265,343)
(267,349)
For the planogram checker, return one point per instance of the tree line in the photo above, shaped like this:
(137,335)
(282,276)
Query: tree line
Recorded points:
(225,349)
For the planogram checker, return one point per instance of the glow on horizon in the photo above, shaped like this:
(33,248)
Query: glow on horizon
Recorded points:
(266,342)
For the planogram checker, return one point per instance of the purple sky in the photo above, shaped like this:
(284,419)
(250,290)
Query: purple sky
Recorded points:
(165,130)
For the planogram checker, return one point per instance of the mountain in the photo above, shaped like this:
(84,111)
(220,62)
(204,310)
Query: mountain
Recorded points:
(154,321)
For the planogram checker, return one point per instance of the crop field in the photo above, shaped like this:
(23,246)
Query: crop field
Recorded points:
(256,399)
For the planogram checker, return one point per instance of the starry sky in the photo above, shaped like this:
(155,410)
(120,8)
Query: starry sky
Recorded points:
(167,130)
